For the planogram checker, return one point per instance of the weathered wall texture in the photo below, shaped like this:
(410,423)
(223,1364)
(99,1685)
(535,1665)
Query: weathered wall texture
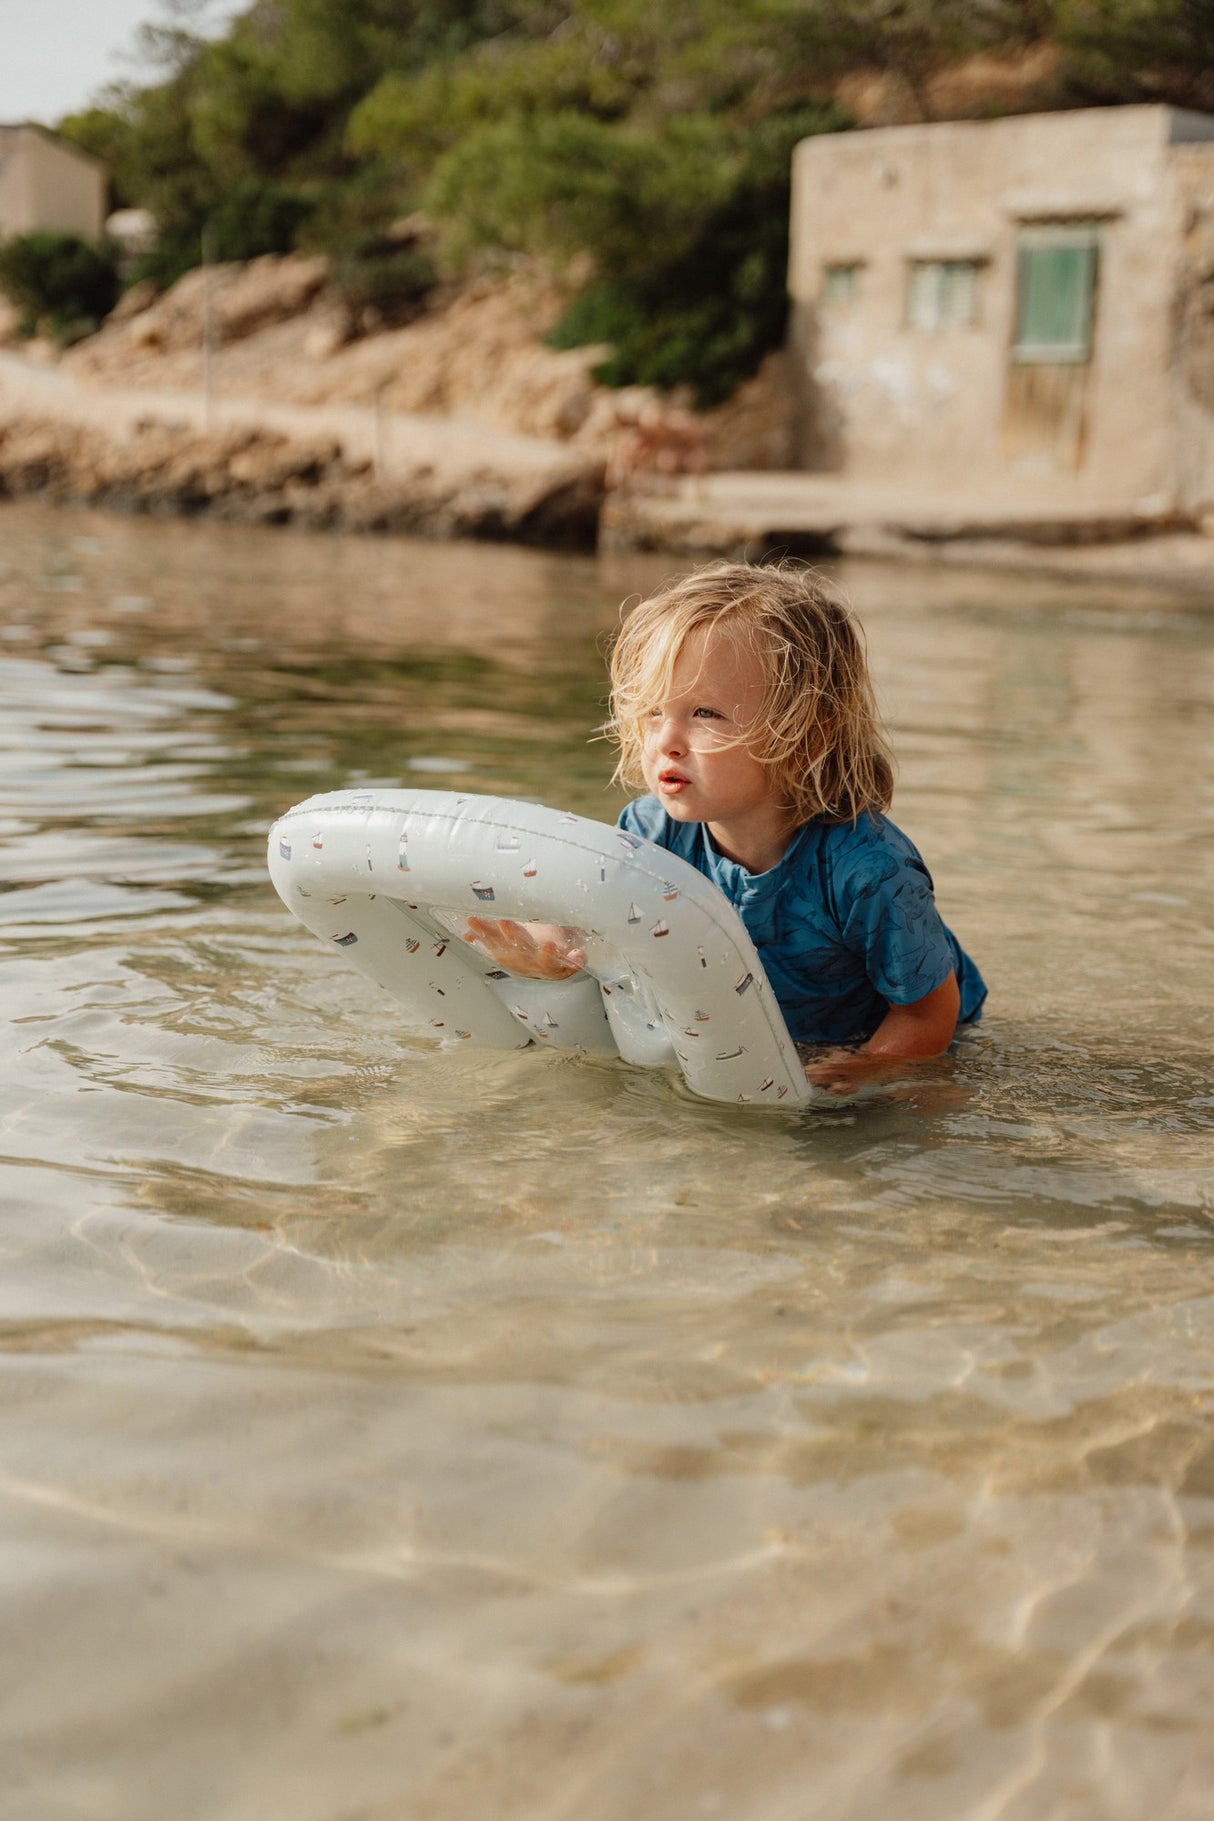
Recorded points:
(1192,377)
(879,399)
(46,184)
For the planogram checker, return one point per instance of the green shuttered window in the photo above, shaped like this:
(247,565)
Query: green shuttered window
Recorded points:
(1055,292)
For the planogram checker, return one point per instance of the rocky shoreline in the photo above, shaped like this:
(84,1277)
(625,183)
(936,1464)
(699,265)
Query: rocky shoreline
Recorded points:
(245,474)
(246,393)
(248,475)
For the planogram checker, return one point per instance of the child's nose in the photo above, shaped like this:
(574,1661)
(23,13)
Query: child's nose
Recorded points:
(672,739)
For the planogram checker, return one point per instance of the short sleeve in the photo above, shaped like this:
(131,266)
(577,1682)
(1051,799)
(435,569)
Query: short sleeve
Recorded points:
(890,922)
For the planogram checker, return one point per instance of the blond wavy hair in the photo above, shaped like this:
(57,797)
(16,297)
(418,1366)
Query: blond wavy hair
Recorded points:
(817,732)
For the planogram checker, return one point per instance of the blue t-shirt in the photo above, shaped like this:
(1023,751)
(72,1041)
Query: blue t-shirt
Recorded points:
(845,923)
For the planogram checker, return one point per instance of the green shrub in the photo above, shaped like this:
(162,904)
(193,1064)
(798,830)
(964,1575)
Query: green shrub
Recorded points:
(60,280)
(413,117)
(1137,50)
(255,217)
(565,183)
(393,281)
(252,217)
(687,227)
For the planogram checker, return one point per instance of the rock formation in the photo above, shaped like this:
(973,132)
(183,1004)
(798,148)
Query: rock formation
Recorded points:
(229,345)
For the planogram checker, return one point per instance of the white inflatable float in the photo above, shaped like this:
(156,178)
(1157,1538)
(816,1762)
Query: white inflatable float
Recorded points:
(672,979)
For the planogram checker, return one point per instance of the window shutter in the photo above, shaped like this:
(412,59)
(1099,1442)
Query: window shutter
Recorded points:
(1055,289)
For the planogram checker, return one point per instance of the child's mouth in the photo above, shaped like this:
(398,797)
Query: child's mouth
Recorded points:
(672,783)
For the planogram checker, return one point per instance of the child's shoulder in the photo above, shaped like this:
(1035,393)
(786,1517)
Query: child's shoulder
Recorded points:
(870,833)
(863,855)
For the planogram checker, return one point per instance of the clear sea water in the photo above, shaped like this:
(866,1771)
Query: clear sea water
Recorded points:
(389,1434)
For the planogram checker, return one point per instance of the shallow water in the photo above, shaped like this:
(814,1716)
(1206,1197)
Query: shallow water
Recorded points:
(390,1433)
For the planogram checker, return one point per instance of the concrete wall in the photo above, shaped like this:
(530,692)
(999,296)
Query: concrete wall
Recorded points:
(47,184)
(879,400)
(1192,377)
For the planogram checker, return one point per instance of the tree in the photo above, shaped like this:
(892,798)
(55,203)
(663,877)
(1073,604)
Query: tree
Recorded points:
(1134,50)
(58,280)
(687,230)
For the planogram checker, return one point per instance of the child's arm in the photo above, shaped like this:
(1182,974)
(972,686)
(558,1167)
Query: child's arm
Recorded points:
(537,951)
(906,1033)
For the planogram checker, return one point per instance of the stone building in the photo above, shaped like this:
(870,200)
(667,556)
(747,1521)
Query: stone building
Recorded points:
(1020,307)
(47,184)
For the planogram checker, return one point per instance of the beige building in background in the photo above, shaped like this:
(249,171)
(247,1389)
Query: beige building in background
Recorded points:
(48,185)
(1022,306)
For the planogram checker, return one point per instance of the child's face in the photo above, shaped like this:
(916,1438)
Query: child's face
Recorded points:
(696,760)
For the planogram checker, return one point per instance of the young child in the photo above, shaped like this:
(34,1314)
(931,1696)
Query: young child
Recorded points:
(741,700)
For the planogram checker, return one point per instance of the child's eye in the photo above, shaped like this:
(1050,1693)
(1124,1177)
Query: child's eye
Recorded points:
(707,714)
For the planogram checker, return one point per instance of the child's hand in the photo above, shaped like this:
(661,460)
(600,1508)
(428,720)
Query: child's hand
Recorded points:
(842,1071)
(537,951)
